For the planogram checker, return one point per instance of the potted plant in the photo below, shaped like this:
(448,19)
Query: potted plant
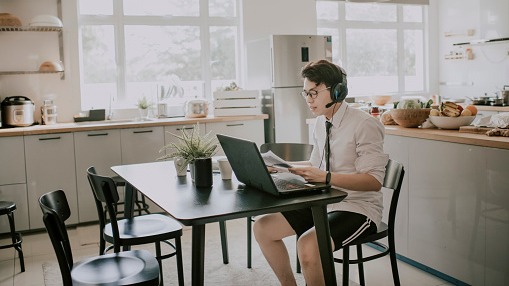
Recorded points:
(197,151)
(143,105)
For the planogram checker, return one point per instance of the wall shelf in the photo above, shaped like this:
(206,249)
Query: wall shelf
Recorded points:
(481,42)
(31,72)
(30,29)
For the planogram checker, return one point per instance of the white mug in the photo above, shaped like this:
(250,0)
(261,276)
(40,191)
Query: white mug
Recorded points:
(179,166)
(225,168)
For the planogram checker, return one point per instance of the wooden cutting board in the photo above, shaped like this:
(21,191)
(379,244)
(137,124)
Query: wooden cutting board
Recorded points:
(474,129)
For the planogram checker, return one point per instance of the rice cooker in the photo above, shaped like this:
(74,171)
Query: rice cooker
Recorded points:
(17,111)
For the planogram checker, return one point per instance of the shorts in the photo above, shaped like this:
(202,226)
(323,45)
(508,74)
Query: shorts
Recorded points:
(344,226)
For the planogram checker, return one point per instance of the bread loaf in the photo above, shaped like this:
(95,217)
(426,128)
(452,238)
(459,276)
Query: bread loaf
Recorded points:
(7,19)
(450,109)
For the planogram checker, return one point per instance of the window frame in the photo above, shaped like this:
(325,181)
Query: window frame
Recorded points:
(118,20)
(341,24)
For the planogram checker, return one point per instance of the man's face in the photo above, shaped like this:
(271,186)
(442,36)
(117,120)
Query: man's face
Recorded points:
(317,105)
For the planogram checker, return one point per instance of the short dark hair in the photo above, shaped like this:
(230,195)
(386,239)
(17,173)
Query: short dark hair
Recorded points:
(323,71)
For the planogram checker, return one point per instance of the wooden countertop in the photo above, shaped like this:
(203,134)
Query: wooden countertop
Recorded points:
(492,108)
(453,136)
(118,124)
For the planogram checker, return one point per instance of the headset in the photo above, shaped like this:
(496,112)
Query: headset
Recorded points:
(338,91)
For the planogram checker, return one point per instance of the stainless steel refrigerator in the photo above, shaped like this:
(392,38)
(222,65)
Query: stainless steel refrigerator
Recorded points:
(274,66)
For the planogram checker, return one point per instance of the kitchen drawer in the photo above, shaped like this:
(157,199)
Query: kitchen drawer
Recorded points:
(12,169)
(247,129)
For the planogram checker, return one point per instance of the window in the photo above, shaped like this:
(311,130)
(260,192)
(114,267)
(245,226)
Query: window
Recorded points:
(166,50)
(381,45)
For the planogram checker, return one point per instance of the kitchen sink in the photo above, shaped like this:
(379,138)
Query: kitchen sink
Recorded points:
(105,122)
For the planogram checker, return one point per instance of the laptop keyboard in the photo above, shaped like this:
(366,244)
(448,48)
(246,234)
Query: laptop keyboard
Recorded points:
(286,185)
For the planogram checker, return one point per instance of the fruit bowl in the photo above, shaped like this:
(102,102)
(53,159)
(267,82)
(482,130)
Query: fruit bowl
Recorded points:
(445,122)
(410,117)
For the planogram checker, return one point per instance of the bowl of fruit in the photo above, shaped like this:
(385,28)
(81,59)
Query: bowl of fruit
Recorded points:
(410,112)
(451,115)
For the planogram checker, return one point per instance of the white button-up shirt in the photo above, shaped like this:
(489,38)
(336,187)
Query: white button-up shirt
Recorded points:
(356,147)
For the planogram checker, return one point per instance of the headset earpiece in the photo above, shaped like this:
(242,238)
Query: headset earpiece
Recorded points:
(339,91)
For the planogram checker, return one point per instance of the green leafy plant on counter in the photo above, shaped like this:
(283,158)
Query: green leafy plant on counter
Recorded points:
(232,87)
(412,104)
(191,145)
(143,103)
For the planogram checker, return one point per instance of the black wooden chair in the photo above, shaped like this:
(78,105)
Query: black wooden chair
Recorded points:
(394,173)
(288,152)
(137,267)
(8,208)
(151,228)
(140,203)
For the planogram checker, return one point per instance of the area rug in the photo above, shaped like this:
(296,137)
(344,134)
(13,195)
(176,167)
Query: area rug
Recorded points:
(216,273)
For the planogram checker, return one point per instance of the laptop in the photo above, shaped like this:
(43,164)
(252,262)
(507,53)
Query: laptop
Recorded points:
(250,169)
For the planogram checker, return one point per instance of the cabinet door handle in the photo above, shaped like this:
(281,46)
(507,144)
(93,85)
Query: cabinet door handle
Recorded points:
(49,138)
(143,131)
(238,124)
(185,128)
(97,134)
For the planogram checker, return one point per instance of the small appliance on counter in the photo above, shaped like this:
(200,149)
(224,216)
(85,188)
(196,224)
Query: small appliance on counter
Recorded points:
(17,111)
(48,113)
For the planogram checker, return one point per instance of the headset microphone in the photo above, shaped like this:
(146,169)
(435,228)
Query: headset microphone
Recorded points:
(333,101)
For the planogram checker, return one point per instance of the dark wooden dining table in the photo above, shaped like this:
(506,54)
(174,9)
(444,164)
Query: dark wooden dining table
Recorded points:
(225,200)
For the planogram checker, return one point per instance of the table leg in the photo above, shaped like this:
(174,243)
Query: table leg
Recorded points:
(224,241)
(324,244)
(198,255)
(129,196)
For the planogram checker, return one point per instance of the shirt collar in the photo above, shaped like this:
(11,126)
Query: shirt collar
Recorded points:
(339,115)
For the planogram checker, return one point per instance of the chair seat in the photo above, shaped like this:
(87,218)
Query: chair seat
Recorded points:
(144,229)
(380,233)
(124,268)
(7,207)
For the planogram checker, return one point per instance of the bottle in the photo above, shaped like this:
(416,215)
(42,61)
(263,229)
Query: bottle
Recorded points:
(48,113)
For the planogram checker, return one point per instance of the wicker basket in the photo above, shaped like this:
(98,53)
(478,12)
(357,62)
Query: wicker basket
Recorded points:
(410,117)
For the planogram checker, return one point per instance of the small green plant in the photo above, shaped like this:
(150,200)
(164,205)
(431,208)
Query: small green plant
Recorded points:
(232,87)
(191,145)
(143,103)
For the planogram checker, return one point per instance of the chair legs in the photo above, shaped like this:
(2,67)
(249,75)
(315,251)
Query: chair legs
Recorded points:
(360,265)
(346,265)
(16,241)
(224,241)
(394,262)
(180,264)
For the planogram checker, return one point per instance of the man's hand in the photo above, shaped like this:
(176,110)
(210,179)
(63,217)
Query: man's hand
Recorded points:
(310,174)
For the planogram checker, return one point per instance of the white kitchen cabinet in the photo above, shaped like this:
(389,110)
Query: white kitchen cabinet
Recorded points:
(495,211)
(12,152)
(247,129)
(142,145)
(447,180)
(18,194)
(50,166)
(101,149)
(397,148)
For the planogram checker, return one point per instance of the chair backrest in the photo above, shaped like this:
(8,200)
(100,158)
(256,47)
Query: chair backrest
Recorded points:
(105,192)
(289,151)
(56,211)
(394,173)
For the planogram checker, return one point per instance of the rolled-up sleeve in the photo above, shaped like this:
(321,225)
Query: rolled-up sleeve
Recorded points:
(371,159)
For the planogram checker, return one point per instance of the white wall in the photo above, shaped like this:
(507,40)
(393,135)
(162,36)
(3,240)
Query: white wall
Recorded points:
(489,70)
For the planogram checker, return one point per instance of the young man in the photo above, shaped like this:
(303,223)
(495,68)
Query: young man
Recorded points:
(356,165)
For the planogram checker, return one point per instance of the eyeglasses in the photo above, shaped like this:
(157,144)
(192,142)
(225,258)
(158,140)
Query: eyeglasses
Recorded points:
(312,93)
